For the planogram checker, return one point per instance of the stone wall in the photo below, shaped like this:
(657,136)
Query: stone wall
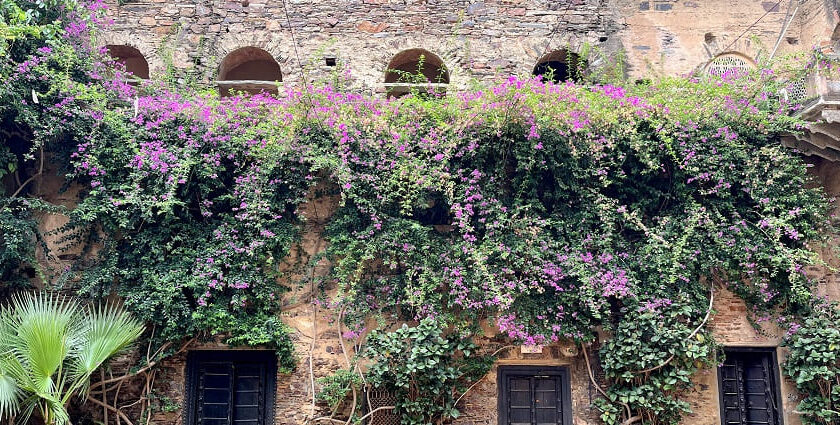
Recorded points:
(475,40)
(293,402)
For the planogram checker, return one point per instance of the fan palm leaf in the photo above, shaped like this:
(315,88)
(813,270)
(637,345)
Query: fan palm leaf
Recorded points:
(10,395)
(106,331)
(49,347)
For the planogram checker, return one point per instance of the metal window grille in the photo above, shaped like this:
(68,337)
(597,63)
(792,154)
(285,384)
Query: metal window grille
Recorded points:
(728,65)
(796,90)
(230,387)
(381,398)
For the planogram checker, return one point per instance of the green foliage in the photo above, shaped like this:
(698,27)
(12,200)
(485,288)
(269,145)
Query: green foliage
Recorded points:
(196,248)
(552,210)
(17,239)
(49,347)
(336,387)
(650,360)
(813,362)
(425,367)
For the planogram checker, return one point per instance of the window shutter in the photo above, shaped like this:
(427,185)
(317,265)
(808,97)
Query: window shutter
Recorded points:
(546,400)
(247,391)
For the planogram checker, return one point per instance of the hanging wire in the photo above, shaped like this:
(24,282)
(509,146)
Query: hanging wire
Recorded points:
(771,9)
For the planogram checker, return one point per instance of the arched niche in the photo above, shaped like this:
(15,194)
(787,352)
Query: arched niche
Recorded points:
(415,68)
(559,66)
(835,38)
(249,69)
(131,58)
(730,65)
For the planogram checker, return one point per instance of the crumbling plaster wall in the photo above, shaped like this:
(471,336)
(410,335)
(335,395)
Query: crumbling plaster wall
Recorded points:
(680,37)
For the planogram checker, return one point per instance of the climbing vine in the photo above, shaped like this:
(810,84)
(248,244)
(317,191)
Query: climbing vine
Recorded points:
(814,365)
(549,210)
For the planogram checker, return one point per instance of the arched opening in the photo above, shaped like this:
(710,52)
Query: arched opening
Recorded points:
(730,65)
(415,69)
(249,69)
(559,66)
(835,38)
(131,59)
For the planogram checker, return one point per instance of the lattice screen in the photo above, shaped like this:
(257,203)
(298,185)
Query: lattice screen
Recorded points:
(796,90)
(379,398)
(729,65)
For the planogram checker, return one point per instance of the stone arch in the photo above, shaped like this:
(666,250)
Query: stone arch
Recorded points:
(729,64)
(559,65)
(715,46)
(249,69)
(276,44)
(427,63)
(128,41)
(409,68)
(834,41)
(131,58)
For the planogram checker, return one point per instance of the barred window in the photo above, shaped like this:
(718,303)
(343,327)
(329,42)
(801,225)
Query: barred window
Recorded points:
(232,387)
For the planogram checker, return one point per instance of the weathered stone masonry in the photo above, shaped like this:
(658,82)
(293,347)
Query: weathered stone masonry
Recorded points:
(474,40)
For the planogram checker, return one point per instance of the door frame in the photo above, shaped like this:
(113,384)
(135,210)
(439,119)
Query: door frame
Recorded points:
(503,372)
(775,374)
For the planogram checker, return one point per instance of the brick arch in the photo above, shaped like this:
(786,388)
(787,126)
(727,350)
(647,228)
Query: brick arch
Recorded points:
(536,52)
(724,46)
(448,55)
(274,45)
(409,60)
(131,58)
(249,63)
(252,64)
(834,40)
(128,43)
(558,64)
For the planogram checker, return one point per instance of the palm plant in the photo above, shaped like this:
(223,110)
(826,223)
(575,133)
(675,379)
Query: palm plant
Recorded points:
(49,346)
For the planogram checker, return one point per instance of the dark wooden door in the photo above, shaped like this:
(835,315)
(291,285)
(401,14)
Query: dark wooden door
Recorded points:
(749,389)
(534,396)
